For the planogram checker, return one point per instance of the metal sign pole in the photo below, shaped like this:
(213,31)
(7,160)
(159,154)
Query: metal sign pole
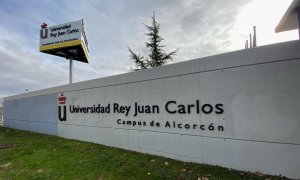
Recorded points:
(71,71)
(298,20)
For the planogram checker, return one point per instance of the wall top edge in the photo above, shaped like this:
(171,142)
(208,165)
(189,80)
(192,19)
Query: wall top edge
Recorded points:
(263,54)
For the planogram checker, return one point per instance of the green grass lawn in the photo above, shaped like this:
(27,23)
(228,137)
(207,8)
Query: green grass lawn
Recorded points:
(39,156)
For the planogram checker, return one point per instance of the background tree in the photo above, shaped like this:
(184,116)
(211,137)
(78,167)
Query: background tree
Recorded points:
(157,56)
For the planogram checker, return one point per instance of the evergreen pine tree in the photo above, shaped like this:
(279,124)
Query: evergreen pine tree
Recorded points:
(157,56)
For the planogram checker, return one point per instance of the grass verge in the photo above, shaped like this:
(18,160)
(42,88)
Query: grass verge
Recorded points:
(39,156)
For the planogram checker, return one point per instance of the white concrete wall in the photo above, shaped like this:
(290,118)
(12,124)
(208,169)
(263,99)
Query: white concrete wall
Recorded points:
(258,130)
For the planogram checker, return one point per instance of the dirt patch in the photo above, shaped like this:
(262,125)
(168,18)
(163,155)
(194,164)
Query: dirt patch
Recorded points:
(5,165)
(40,171)
(6,146)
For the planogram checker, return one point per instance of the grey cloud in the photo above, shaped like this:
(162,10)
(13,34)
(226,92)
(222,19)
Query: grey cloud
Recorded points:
(20,70)
(202,28)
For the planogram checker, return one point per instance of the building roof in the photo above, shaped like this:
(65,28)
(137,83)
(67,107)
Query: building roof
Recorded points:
(289,19)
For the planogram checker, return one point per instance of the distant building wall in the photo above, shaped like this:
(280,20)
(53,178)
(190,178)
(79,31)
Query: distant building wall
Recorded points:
(239,110)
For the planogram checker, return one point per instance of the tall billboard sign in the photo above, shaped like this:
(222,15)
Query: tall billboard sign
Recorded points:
(66,40)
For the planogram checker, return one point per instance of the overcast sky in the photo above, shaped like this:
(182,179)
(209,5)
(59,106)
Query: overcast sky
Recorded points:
(198,27)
